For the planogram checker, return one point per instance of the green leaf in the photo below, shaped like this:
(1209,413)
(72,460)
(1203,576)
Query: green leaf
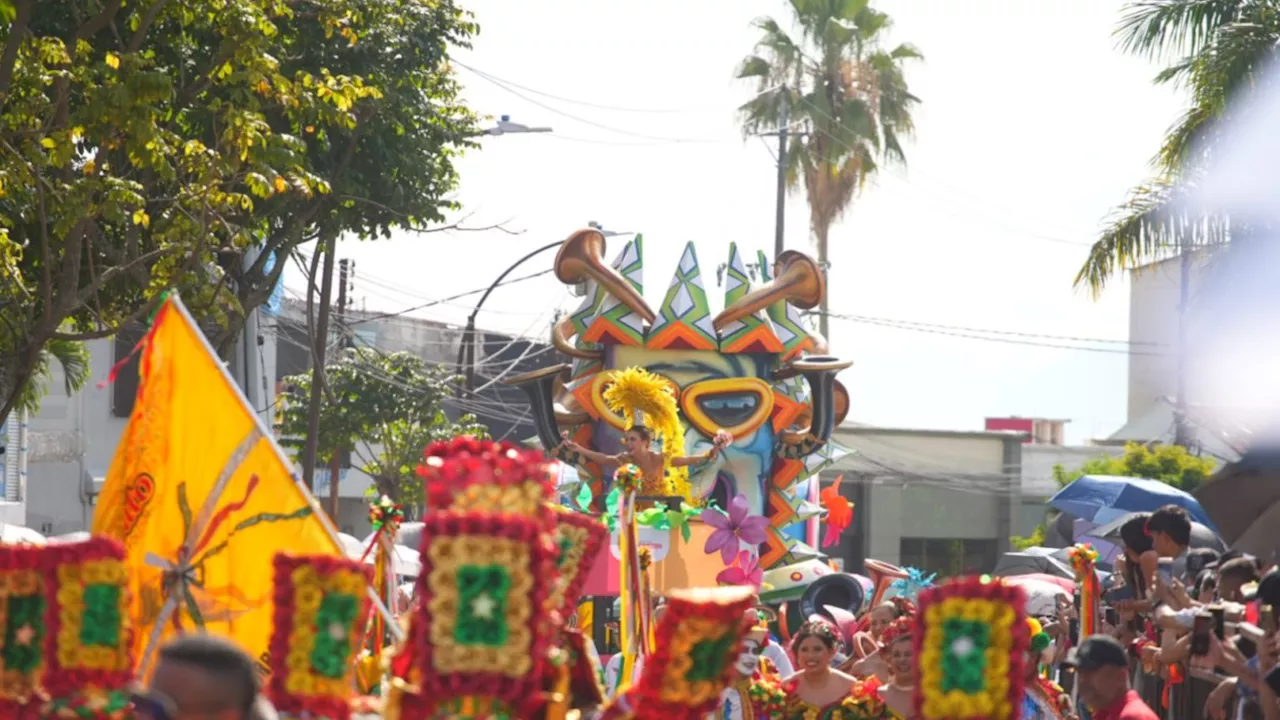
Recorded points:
(584,496)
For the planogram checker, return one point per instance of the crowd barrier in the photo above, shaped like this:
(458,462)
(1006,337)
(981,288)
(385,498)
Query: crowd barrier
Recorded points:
(1180,700)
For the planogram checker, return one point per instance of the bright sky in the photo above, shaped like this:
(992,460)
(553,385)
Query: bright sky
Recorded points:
(1032,127)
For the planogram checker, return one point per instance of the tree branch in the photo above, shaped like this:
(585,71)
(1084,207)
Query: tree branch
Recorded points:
(149,17)
(102,20)
(86,294)
(17,32)
(107,331)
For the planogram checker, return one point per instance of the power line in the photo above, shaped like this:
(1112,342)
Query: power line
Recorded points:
(583,103)
(583,120)
(1013,333)
(990,338)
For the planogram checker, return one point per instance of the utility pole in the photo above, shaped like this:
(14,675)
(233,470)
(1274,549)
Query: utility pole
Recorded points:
(778,245)
(335,463)
(319,341)
(1182,434)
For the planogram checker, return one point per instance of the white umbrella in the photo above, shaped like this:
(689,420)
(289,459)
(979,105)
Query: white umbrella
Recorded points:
(72,537)
(1042,596)
(19,535)
(351,546)
(408,563)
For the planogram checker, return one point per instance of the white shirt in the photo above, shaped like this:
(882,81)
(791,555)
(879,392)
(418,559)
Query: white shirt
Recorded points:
(779,658)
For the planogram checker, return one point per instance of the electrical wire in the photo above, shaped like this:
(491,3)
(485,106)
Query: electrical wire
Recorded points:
(583,103)
(987,338)
(1013,333)
(570,116)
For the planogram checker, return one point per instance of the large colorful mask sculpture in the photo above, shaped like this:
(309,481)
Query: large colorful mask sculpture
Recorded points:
(752,370)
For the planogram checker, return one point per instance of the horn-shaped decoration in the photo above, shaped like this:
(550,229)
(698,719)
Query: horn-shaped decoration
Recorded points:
(539,385)
(820,373)
(582,257)
(798,280)
(561,331)
(882,574)
(567,409)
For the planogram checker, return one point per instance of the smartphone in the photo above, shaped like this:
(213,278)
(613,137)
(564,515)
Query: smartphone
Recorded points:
(1113,617)
(1200,629)
(1073,631)
(1267,619)
(1165,571)
(1118,594)
(1247,647)
(1219,615)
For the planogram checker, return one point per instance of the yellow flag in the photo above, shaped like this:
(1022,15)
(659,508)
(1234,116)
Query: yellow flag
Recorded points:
(202,499)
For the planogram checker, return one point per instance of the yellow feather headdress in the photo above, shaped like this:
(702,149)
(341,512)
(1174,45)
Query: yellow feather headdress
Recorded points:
(638,394)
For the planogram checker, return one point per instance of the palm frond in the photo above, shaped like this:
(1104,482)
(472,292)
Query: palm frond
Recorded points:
(1156,222)
(72,359)
(1172,28)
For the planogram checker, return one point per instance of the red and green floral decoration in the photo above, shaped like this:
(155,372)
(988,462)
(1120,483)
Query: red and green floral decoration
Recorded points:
(22,619)
(696,645)
(320,603)
(87,638)
(971,638)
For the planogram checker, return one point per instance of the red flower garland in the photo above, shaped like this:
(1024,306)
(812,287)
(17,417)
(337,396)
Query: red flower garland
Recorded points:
(450,466)
(935,608)
(595,534)
(700,630)
(290,699)
(18,685)
(93,573)
(454,530)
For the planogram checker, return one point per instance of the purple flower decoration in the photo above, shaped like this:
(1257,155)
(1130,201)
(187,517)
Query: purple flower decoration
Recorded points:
(746,572)
(733,529)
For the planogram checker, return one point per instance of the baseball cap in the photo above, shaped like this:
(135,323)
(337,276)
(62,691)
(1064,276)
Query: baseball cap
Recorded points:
(1097,651)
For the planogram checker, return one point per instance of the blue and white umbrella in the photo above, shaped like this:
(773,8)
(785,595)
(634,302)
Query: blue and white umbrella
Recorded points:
(1103,498)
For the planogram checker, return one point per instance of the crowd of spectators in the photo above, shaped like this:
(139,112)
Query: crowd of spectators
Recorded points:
(1198,627)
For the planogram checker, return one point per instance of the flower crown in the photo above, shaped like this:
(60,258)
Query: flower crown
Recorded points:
(899,629)
(904,607)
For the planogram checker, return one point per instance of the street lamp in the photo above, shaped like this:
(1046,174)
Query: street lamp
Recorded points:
(506,127)
(467,349)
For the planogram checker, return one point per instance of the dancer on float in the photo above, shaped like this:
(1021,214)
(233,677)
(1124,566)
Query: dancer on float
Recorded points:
(645,399)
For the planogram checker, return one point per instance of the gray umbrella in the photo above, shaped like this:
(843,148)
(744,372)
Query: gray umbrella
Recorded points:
(1031,561)
(1201,536)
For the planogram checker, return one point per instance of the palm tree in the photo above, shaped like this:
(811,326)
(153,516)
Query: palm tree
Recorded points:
(1214,48)
(850,92)
(71,357)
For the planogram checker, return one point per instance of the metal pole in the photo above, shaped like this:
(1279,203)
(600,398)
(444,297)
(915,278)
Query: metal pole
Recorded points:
(469,335)
(778,244)
(319,343)
(335,463)
(1182,426)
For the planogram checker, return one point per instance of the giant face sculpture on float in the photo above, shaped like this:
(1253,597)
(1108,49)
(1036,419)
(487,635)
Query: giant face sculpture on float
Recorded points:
(752,370)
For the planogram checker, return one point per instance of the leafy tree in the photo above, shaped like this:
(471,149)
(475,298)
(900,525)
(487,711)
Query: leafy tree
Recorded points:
(392,403)
(153,145)
(841,80)
(1213,48)
(71,357)
(1170,464)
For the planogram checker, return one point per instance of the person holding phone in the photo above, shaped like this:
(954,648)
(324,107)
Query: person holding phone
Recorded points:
(1170,531)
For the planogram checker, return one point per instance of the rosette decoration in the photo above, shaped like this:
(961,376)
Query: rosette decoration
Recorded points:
(1083,558)
(385,516)
(697,644)
(23,620)
(483,632)
(320,602)
(970,643)
(82,646)
(579,539)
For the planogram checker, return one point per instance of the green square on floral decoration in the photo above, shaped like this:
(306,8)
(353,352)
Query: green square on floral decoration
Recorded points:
(964,655)
(23,633)
(483,592)
(564,546)
(335,617)
(100,626)
(710,657)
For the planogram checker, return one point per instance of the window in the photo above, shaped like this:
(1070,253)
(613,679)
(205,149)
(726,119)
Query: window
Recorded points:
(124,389)
(948,557)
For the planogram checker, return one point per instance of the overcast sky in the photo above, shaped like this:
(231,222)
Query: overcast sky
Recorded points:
(1033,126)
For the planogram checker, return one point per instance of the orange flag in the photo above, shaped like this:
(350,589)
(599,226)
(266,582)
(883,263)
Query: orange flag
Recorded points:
(202,498)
